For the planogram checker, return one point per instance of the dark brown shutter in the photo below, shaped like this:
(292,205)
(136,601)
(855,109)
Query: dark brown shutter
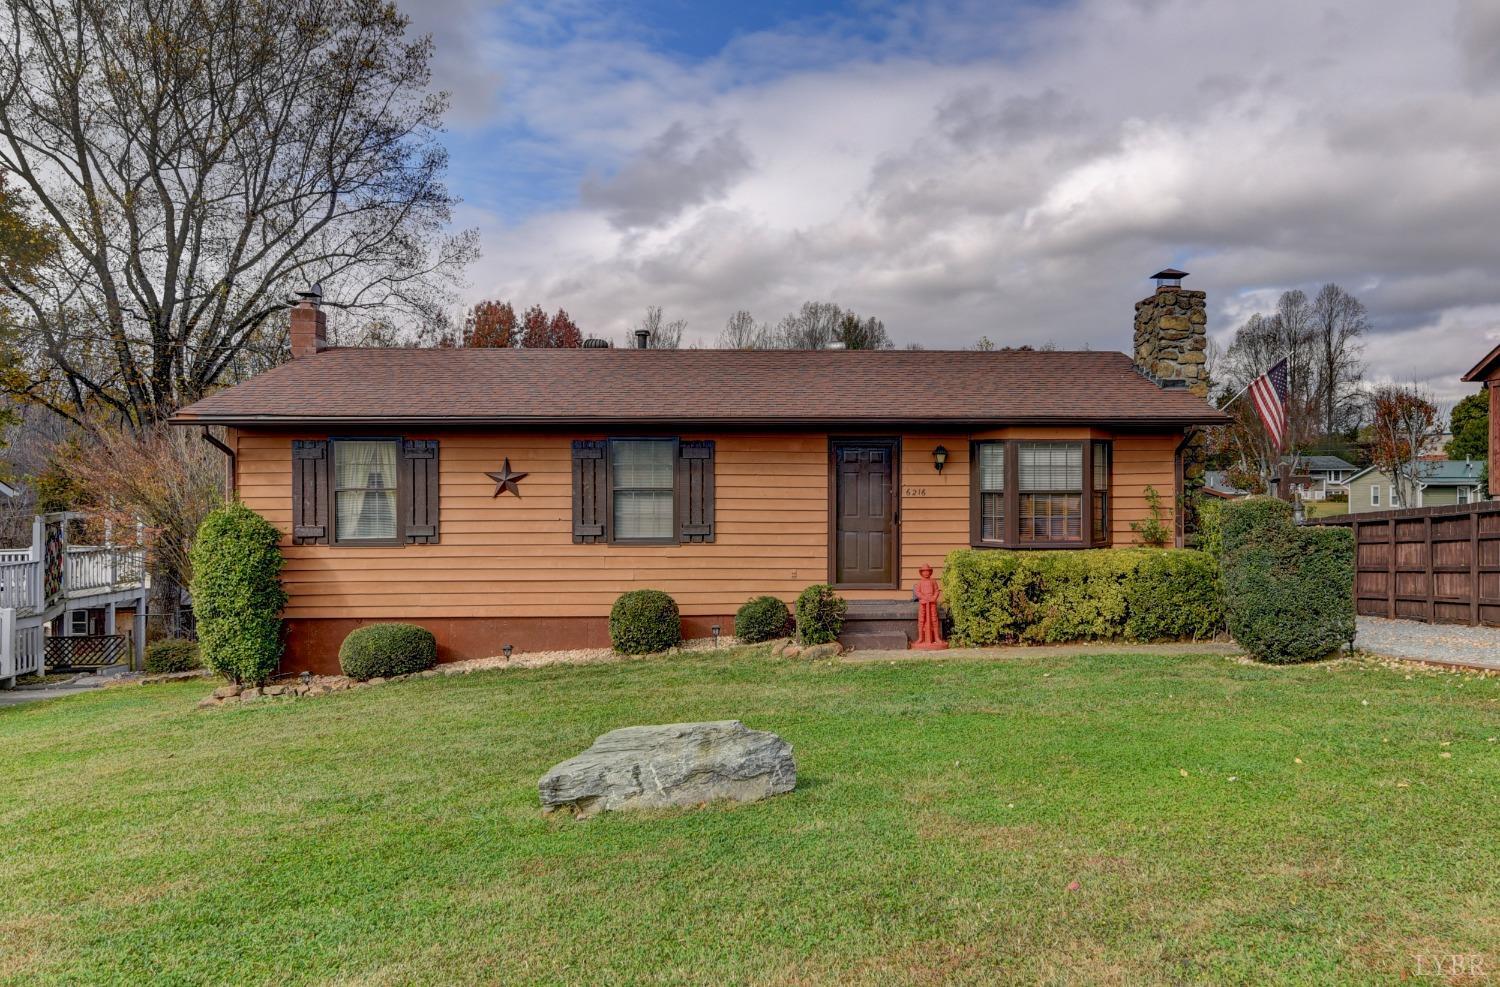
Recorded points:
(590,491)
(310,492)
(695,491)
(418,496)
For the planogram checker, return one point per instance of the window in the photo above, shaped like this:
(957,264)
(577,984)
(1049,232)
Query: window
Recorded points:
(1463,495)
(364,490)
(1395,497)
(78,623)
(1050,476)
(1038,494)
(642,489)
(1099,511)
(1374,495)
(992,491)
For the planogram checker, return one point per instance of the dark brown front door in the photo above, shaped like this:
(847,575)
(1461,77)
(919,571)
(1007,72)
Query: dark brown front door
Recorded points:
(864,512)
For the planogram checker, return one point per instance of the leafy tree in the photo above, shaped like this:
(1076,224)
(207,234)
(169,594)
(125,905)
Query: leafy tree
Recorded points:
(200,159)
(863,334)
(534,328)
(491,324)
(1470,424)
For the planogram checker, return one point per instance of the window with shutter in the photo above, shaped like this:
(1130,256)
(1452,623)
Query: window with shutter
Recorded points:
(1038,494)
(590,491)
(695,491)
(419,491)
(310,492)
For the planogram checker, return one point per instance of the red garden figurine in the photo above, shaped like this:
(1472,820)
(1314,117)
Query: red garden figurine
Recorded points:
(929,627)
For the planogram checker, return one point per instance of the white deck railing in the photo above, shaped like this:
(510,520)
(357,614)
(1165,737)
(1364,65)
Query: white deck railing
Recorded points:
(90,568)
(21,649)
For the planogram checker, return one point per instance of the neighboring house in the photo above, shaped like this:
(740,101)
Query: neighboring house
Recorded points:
(1329,474)
(1443,481)
(1216,484)
(1487,371)
(505,496)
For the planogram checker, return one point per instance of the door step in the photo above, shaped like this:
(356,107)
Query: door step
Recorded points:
(879,625)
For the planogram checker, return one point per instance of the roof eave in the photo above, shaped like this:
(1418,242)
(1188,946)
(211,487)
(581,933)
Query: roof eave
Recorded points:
(1484,369)
(1209,417)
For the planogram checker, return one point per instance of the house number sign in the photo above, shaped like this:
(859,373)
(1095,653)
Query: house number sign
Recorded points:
(914,491)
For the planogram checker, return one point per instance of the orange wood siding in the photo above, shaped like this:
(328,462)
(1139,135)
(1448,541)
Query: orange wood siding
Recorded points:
(515,557)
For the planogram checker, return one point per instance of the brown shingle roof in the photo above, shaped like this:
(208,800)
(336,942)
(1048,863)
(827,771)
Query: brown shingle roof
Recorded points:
(702,386)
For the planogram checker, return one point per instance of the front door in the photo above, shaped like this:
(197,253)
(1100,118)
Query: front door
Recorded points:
(864,512)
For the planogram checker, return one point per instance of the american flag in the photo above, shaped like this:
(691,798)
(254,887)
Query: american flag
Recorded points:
(1268,393)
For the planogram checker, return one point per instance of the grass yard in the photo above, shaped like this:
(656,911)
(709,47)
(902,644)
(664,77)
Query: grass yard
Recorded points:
(1223,823)
(1325,508)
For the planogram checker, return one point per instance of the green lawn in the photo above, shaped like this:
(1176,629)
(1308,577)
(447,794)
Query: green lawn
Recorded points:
(392,835)
(1325,508)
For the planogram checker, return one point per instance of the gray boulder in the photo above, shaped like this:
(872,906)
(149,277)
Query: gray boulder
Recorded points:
(676,765)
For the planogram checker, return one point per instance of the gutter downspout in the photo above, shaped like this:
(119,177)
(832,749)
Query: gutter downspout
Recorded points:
(230,458)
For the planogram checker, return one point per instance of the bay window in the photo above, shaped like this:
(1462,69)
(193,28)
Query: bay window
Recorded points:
(1040,494)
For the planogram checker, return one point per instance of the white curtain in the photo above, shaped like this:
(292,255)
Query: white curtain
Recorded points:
(365,480)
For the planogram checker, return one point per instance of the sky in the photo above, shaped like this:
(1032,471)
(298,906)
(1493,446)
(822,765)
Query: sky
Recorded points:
(999,169)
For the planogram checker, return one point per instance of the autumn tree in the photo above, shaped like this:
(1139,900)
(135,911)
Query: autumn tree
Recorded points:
(197,160)
(491,324)
(1469,421)
(1404,422)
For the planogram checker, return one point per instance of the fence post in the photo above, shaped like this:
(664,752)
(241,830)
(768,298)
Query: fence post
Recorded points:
(8,645)
(1429,578)
(1474,567)
(1390,568)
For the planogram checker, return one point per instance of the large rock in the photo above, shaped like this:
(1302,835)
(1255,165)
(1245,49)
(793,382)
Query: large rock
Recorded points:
(679,764)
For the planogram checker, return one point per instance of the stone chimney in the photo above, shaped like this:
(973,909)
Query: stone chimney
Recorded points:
(309,323)
(1171,333)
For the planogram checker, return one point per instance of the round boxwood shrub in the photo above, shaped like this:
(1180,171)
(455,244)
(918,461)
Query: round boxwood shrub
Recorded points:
(762,619)
(171,654)
(237,594)
(644,621)
(384,650)
(820,614)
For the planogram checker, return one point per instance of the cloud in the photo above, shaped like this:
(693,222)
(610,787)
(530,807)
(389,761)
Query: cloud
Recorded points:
(960,173)
(672,173)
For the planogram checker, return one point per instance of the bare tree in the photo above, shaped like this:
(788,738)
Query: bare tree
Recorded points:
(863,334)
(742,332)
(1337,323)
(196,160)
(661,334)
(812,327)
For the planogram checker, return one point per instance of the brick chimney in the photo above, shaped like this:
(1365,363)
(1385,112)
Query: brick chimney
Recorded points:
(309,323)
(1171,333)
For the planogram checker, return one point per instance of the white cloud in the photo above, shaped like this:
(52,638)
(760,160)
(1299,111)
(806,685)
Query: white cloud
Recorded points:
(1020,180)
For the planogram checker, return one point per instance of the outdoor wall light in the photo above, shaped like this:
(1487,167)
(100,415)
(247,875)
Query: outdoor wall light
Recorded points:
(507,650)
(939,458)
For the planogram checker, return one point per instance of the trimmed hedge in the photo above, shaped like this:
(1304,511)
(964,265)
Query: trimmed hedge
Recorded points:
(820,615)
(172,654)
(1289,590)
(386,650)
(998,597)
(761,619)
(237,594)
(644,621)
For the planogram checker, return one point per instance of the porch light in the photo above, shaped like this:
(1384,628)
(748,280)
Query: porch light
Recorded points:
(507,650)
(939,457)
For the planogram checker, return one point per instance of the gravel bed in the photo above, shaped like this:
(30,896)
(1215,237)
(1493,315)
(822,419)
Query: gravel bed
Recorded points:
(1477,646)
(579,656)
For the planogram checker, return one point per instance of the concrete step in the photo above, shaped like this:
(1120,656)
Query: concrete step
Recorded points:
(876,641)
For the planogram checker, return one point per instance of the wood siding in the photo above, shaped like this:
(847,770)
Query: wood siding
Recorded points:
(515,557)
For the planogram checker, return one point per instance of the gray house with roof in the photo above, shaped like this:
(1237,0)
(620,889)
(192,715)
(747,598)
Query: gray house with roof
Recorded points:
(1438,481)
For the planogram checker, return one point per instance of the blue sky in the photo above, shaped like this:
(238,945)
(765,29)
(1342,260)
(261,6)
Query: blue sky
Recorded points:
(964,168)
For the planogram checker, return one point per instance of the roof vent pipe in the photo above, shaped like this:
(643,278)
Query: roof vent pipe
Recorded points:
(642,338)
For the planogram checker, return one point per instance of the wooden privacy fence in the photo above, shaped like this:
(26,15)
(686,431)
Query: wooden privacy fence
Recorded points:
(1436,564)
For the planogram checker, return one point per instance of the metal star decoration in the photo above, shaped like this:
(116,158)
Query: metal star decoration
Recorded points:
(506,479)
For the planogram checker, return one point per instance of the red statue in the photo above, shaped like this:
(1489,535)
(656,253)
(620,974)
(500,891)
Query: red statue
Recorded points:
(929,627)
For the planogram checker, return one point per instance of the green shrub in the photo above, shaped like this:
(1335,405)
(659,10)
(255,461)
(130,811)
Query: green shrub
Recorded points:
(763,618)
(1289,590)
(171,654)
(998,597)
(644,621)
(237,594)
(820,615)
(1151,531)
(386,650)
(1209,536)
